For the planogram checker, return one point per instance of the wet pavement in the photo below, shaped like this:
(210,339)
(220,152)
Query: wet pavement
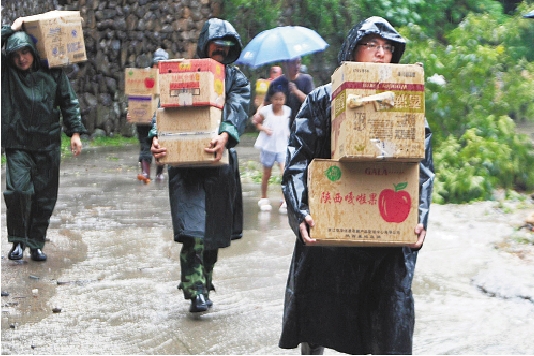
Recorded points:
(109,285)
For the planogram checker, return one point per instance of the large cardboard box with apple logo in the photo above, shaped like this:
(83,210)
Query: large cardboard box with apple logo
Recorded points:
(58,37)
(141,87)
(378,112)
(365,203)
(192,82)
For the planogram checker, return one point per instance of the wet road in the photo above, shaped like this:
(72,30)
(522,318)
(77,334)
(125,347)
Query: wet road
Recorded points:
(109,285)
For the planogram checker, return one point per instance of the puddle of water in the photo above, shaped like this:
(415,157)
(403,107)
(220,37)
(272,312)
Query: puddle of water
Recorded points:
(112,252)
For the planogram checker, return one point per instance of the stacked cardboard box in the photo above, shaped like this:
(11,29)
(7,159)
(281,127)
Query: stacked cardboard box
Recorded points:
(192,95)
(192,82)
(141,86)
(378,111)
(58,37)
(368,193)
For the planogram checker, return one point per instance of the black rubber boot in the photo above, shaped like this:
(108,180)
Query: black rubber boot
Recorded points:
(16,252)
(307,348)
(38,255)
(198,304)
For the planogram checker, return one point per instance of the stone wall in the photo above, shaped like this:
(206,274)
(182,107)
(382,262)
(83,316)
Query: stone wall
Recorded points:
(120,34)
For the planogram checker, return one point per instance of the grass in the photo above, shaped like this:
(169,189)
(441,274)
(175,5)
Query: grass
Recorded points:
(100,141)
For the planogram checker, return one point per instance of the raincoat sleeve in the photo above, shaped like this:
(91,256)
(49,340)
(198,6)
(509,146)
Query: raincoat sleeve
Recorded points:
(235,113)
(6,32)
(309,139)
(426,178)
(153,128)
(67,101)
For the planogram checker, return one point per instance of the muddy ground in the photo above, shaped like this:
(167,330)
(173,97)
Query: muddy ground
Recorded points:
(109,285)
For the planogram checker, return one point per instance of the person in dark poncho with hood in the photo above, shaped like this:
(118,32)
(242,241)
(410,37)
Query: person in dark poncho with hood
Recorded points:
(206,202)
(350,299)
(34,98)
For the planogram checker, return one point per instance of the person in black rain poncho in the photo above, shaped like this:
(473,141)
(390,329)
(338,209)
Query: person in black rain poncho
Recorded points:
(206,202)
(350,299)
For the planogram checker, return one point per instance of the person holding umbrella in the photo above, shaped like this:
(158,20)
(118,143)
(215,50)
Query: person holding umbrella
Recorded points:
(286,44)
(351,299)
(207,202)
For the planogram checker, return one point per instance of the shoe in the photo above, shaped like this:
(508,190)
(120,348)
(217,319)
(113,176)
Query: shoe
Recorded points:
(265,204)
(16,252)
(283,208)
(198,304)
(209,303)
(37,255)
(159,172)
(144,177)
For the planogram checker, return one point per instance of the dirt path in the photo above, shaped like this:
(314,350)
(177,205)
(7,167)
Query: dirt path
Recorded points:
(109,286)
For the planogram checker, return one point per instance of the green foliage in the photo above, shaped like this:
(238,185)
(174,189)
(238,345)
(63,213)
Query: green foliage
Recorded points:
(100,141)
(487,82)
(250,17)
(479,65)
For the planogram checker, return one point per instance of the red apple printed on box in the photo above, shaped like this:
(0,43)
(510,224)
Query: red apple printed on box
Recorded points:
(394,205)
(150,82)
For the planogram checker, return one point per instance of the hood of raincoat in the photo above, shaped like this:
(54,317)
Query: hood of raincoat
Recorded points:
(218,29)
(19,40)
(368,26)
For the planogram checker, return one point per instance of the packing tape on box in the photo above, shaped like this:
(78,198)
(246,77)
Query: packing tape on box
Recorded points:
(386,99)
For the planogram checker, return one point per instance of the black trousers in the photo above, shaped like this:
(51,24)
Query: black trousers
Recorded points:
(32,182)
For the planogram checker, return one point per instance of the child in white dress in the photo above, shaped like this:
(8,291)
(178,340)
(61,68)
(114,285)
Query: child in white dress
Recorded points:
(273,124)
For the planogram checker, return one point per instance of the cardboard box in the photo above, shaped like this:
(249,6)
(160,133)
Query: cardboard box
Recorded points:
(141,81)
(188,149)
(141,108)
(188,119)
(192,82)
(58,36)
(363,203)
(376,130)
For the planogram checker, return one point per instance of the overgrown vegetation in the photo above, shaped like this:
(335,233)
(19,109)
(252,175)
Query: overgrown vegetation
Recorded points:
(479,64)
(99,141)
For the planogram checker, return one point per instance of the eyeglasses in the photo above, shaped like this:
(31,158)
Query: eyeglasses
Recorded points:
(373,46)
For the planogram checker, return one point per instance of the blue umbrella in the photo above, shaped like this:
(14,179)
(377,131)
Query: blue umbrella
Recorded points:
(281,44)
(530,15)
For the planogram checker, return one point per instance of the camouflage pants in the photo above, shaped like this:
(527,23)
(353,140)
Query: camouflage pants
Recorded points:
(197,268)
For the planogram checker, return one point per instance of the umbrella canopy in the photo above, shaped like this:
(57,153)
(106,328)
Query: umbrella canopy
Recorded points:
(530,15)
(281,44)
